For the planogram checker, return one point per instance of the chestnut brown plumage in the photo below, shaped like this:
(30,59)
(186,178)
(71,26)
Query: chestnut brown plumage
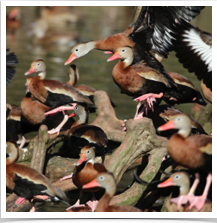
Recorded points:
(26,182)
(107,181)
(86,171)
(193,152)
(52,93)
(147,30)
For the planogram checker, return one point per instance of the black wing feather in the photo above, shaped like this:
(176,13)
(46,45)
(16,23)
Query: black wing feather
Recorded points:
(11,61)
(154,24)
(191,56)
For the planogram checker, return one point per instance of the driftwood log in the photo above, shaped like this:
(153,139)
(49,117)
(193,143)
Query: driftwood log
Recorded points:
(139,140)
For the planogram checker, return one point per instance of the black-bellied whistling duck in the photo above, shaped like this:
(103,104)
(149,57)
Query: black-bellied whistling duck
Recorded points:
(84,89)
(16,124)
(11,61)
(28,183)
(14,128)
(193,152)
(150,29)
(189,92)
(56,15)
(194,50)
(182,180)
(86,171)
(81,134)
(73,79)
(139,80)
(13,21)
(34,110)
(54,93)
(163,113)
(107,181)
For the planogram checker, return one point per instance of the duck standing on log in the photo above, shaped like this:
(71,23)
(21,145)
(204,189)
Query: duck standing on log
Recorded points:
(193,152)
(107,181)
(163,113)
(28,183)
(34,111)
(141,81)
(81,134)
(182,180)
(86,171)
(54,93)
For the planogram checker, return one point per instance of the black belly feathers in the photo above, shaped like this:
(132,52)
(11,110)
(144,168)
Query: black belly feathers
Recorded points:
(31,189)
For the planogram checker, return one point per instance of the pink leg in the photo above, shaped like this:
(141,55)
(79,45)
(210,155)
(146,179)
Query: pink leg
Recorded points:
(137,109)
(23,142)
(66,177)
(61,108)
(194,186)
(145,96)
(93,203)
(150,99)
(182,199)
(172,98)
(199,201)
(77,204)
(41,197)
(32,209)
(20,200)
(58,128)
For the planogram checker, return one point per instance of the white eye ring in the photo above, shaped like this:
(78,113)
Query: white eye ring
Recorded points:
(76,50)
(101,178)
(88,151)
(39,64)
(123,50)
(177,176)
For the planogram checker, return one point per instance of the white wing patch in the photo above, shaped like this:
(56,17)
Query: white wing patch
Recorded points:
(199,47)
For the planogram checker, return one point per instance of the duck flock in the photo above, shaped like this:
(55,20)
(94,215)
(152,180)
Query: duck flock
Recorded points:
(154,32)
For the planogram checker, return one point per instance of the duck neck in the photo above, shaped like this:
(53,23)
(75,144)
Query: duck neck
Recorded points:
(104,202)
(127,62)
(91,160)
(74,77)
(184,189)
(185,132)
(83,119)
(90,46)
(41,74)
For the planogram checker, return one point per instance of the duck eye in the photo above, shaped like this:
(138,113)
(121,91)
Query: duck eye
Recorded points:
(123,50)
(101,178)
(76,107)
(88,151)
(76,50)
(38,64)
(177,177)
